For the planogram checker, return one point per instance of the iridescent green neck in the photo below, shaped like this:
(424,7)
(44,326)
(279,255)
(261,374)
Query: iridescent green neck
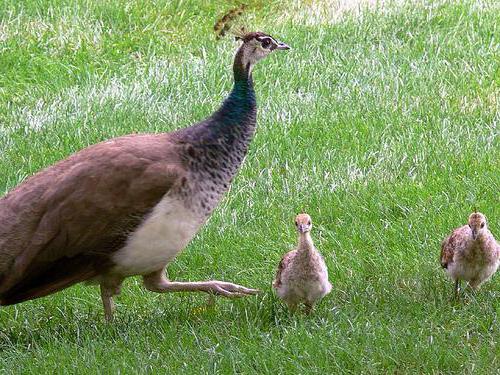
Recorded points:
(233,124)
(240,106)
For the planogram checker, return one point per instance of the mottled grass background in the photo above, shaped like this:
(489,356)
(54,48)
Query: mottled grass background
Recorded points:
(381,122)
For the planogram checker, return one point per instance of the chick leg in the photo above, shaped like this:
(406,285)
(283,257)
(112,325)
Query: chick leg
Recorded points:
(456,289)
(158,282)
(309,307)
(292,306)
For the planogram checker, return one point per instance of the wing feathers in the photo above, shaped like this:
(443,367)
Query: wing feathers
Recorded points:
(285,260)
(456,241)
(51,277)
(81,208)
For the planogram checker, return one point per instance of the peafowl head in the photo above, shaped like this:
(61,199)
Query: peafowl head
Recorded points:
(477,224)
(256,46)
(303,223)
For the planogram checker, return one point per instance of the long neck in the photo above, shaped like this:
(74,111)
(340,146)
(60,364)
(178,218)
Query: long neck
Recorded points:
(238,110)
(219,143)
(242,69)
(306,244)
(233,124)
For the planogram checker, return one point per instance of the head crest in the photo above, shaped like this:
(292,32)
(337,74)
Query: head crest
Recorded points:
(224,24)
(240,33)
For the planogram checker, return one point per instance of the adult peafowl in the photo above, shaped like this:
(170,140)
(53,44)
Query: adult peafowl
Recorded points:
(129,205)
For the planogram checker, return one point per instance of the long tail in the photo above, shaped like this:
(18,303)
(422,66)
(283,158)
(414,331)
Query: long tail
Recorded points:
(52,278)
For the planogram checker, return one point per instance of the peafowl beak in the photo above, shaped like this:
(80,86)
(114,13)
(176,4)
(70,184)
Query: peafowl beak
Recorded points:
(282,46)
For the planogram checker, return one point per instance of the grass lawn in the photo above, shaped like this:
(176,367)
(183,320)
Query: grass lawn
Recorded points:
(381,122)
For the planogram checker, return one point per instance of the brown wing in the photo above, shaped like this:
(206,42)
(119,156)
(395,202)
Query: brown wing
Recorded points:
(456,241)
(285,261)
(61,225)
(446,253)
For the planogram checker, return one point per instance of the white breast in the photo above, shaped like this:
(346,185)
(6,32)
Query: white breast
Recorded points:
(165,232)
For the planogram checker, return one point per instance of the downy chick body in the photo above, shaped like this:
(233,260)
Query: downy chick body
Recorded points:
(470,253)
(302,275)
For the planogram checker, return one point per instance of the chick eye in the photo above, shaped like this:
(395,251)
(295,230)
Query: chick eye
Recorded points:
(482,225)
(309,222)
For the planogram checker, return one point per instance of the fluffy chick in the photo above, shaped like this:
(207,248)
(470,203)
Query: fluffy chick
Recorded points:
(470,253)
(302,276)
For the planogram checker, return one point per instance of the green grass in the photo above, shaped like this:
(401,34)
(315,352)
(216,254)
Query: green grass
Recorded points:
(383,124)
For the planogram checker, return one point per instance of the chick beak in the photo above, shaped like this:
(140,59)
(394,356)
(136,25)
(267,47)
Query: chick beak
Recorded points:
(302,228)
(474,234)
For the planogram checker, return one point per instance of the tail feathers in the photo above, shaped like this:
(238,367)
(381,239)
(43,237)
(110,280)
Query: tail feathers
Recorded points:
(50,279)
